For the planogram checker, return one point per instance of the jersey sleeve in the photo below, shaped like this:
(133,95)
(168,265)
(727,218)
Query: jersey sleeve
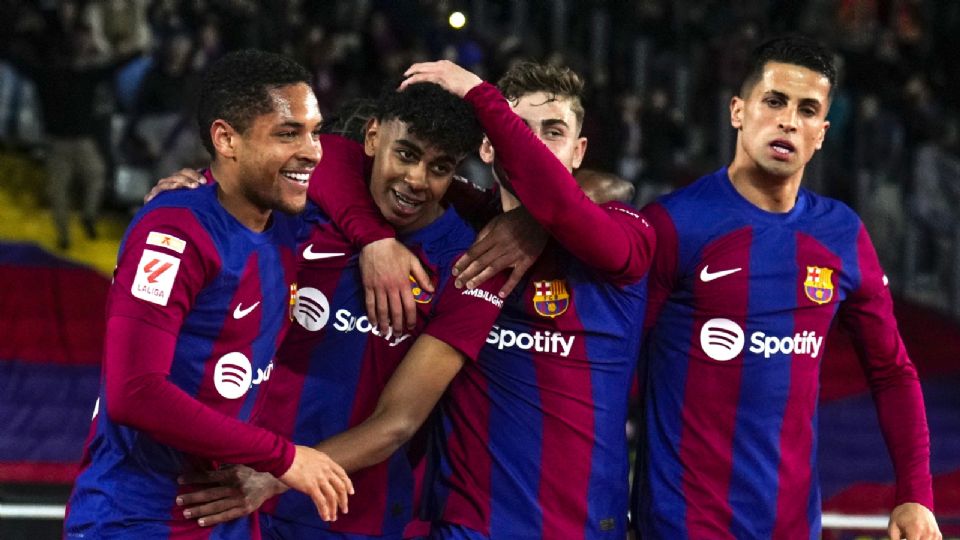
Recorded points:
(614,239)
(164,263)
(662,277)
(868,315)
(338,186)
(463,317)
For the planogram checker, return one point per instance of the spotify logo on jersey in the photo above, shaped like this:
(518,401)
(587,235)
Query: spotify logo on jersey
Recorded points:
(232,375)
(721,339)
(312,309)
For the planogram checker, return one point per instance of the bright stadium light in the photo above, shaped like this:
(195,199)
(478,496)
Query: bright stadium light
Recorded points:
(457,20)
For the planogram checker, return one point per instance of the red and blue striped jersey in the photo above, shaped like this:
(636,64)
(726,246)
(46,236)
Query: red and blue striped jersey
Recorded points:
(333,364)
(201,302)
(740,303)
(531,440)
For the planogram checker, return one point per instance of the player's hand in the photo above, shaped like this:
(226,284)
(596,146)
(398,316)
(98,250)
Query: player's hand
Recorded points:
(386,266)
(451,77)
(184,178)
(913,521)
(232,492)
(511,240)
(318,476)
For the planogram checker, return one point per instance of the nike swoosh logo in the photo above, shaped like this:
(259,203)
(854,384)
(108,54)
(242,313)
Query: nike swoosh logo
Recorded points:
(239,312)
(706,275)
(311,255)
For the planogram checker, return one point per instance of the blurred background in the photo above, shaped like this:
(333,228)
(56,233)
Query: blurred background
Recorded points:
(97,98)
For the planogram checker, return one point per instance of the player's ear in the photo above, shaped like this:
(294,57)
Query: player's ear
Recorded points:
(371,137)
(736,112)
(823,134)
(225,138)
(579,151)
(486,151)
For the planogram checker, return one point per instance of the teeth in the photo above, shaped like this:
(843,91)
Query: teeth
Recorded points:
(781,149)
(404,200)
(300,178)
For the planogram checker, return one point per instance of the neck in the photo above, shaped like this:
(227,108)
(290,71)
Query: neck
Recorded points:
(776,194)
(234,201)
(508,200)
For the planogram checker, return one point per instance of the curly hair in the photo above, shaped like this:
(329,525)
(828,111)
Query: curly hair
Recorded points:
(236,88)
(558,82)
(793,49)
(434,115)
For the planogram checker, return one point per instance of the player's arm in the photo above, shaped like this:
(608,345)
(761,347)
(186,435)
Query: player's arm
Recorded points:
(411,393)
(338,186)
(457,331)
(868,315)
(154,289)
(621,247)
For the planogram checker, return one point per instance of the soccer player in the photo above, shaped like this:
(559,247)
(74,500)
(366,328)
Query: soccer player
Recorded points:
(333,364)
(530,441)
(198,305)
(750,272)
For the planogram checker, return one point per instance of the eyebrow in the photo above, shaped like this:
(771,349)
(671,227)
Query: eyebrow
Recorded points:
(410,145)
(416,148)
(548,123)
(291,124)
(812,102)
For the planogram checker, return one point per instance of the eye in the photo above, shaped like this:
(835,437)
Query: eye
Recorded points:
(808,111)
(441,169)
(406,155)
(287,134)
(773,102)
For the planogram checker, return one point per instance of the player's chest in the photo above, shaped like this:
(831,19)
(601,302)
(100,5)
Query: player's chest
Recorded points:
(758,272)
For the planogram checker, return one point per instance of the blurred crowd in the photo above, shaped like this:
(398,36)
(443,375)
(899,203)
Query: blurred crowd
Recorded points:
(103,91)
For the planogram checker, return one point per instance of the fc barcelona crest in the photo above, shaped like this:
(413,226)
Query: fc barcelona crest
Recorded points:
(550,298)
(420,295)
(819,284)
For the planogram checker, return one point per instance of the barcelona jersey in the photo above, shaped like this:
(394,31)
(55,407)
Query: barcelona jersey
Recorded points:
(741,301)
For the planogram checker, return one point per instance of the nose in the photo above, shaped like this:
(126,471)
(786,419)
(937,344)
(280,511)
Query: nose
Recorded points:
(311,150)
(416,176)
(788,119)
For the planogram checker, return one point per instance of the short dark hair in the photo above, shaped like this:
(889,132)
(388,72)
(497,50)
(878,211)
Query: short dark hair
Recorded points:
(236,88)
(526,77)
(434,115)
(793,49)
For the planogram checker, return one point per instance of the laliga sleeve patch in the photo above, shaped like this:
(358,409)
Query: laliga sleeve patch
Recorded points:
(156,273)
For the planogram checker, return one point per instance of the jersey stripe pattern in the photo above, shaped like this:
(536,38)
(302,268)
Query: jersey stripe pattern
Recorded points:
(740,303)
(333,364)
(531,442)
(228,308)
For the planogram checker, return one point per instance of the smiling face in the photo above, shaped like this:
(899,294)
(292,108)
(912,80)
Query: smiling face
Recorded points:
(279,150)
(409,176)
(782,121)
